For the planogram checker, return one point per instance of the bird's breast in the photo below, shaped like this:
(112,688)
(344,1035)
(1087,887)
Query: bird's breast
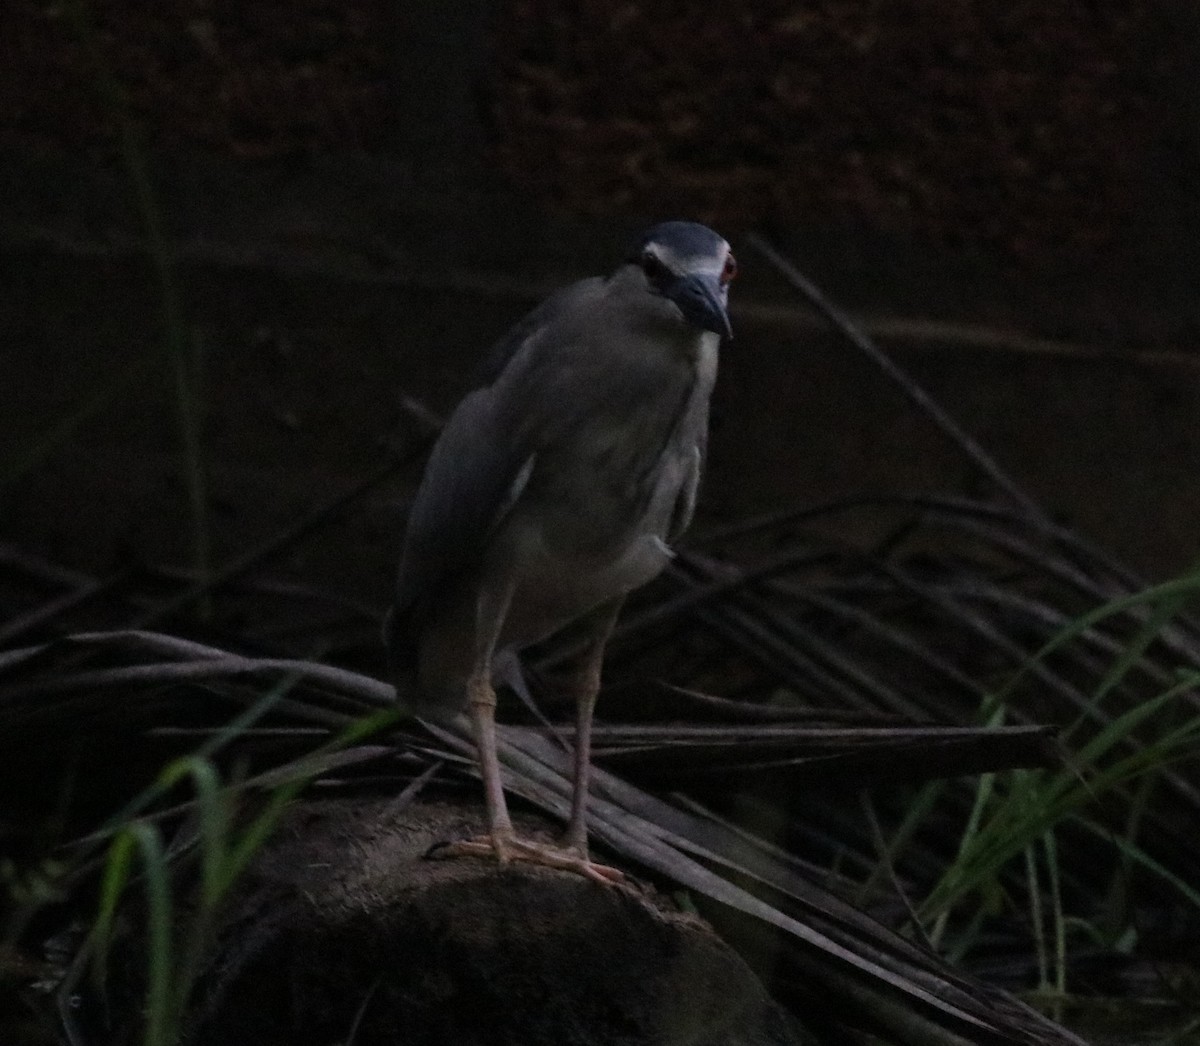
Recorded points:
(593,519)
(554,585)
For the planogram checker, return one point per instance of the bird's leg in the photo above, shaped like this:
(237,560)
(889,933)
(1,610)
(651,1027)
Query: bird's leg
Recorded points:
(576,835)
(491,606)
(586,684)
(502,842)
(482,703)
(500,839)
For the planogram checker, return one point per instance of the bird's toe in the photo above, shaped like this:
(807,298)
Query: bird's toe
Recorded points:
(489,847)
(508,848)
(570,859)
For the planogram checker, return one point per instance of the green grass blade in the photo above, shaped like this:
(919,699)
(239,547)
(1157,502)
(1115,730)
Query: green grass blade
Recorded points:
(1168,592)
(214,820)
(1054,884)
(1036,918)
(112,886)
(229,733)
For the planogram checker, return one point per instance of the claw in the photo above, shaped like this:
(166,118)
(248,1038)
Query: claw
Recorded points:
(482,847)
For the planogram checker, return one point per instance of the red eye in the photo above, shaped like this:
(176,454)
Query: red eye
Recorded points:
(730,270)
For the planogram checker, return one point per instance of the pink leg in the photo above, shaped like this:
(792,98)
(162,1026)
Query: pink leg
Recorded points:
(587,687)
(501,842)
(483,716)
(576,836)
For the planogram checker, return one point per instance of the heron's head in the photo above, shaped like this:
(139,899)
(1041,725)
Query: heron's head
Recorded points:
(692,266)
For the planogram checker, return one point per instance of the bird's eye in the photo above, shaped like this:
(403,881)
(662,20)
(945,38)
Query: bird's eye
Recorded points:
(653,267)
(730,270)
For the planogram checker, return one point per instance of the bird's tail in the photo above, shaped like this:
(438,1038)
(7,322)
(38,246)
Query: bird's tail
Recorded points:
(401,638)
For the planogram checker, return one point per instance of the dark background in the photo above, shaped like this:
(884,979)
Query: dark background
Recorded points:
(333,206)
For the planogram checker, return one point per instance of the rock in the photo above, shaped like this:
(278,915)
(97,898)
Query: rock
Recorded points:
(344,932)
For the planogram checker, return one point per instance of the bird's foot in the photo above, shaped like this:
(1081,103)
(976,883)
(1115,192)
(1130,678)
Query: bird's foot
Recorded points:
(511,848)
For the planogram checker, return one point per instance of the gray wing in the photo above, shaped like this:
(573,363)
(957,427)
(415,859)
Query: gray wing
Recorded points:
(475,472)
(472,478)
(467,485)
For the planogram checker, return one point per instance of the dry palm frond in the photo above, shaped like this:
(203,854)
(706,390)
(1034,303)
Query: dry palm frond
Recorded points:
(854,958)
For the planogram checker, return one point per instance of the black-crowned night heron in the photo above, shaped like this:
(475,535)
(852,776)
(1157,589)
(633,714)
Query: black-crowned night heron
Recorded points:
(555,489)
